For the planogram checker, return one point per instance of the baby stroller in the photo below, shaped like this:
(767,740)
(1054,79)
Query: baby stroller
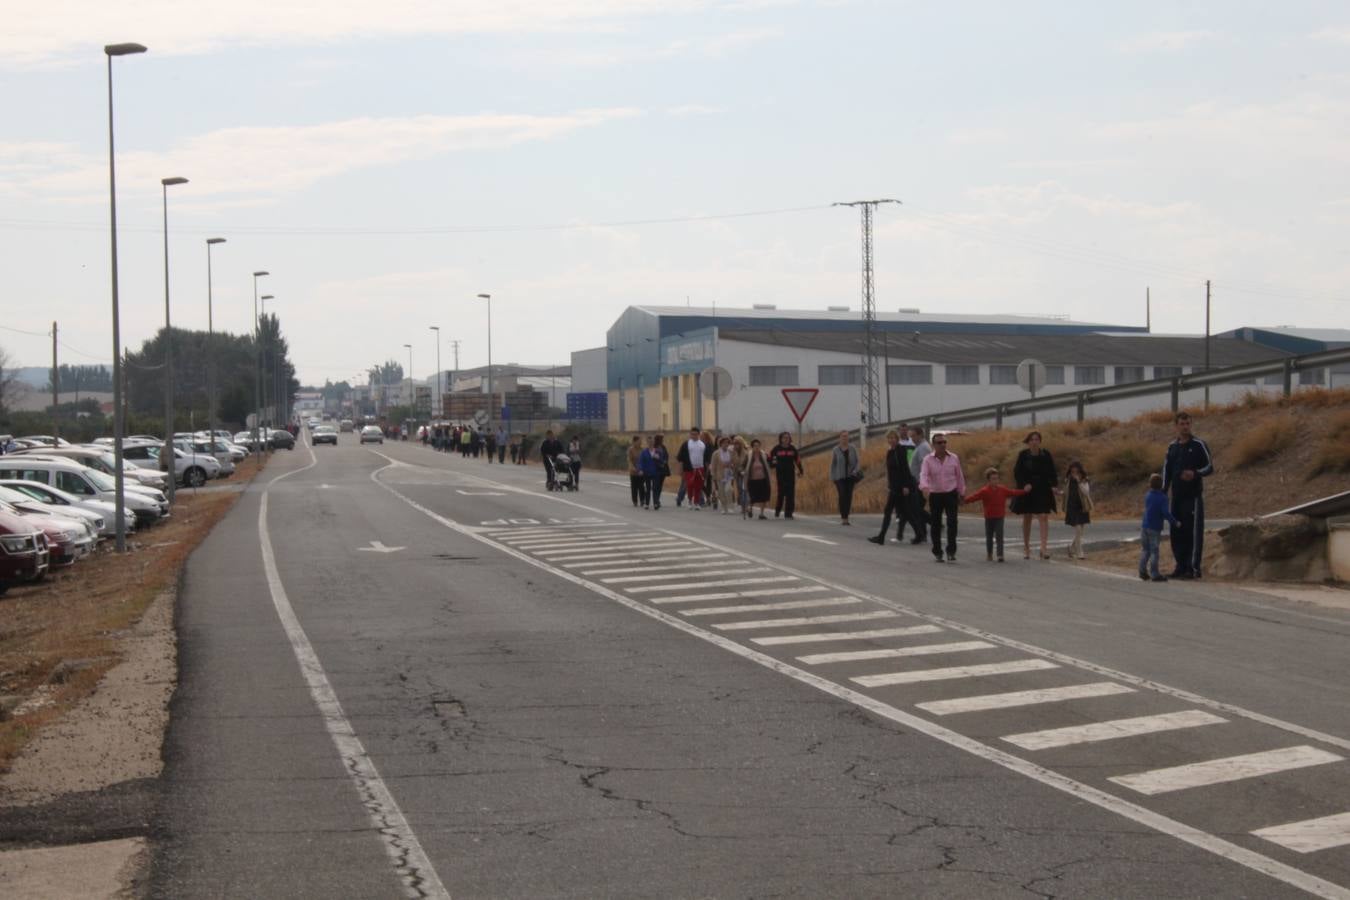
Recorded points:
(563,480)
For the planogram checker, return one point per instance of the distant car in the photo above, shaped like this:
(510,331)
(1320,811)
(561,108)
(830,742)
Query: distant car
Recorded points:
(371,434)
(23,552)
(278,438)
(324,434)
(346,425)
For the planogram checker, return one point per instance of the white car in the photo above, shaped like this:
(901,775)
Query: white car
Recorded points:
(372,434)
(147,504)
(25,502)
(104,460)
(191,469)
(59,499)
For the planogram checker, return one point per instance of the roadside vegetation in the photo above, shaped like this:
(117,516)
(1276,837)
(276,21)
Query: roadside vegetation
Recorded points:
(59,637)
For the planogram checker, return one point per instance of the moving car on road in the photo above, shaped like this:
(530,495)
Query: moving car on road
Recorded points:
(324,434)
(371,434)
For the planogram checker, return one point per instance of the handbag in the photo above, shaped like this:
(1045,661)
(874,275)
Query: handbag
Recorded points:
(1085,496)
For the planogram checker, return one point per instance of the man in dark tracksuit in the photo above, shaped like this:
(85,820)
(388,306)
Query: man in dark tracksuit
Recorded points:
(787,465)
(1186,466)
(900,485)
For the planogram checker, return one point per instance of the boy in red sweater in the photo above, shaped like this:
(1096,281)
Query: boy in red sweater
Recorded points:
(995,497)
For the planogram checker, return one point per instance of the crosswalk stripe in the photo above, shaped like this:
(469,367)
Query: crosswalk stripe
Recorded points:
(817,659)
(1116,728)
(596,552)
(629,556)
(605,547)
(768,579)
(1023,698)
(585,542)
(522,534)
(718,559)
(1311,834)
(738,569)
(736,595)
(755,607)
(822,636)
(556,529)
(1218,771)
(1004,668)
(810,620)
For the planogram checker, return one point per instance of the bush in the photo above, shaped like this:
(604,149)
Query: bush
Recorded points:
(1127,462)
(1100,425)
(1264,442)
(1333,455)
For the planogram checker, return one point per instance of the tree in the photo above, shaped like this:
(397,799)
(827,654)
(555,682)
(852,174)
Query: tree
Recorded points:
(8,382)
(82,378)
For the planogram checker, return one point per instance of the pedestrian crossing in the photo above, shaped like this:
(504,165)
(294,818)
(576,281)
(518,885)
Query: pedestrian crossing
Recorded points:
(891,662)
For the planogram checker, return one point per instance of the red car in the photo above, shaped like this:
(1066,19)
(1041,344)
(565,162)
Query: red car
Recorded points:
(67,540)
(23,552)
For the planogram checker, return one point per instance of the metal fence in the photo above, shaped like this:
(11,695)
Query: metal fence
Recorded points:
(1286,367)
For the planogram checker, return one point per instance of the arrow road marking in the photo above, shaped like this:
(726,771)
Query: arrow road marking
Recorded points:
(377,547)
(811,537)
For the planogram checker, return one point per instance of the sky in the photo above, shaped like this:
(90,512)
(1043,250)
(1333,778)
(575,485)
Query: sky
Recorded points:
(387,162)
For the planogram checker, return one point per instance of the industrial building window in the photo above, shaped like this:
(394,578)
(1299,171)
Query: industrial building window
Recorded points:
(1129,374)
(840,375)
(1274,379)
(770,376)
(963,374)
(1054,374)
(1312,376)
(1003,374)
(1166,371)
(1089,374)
(909,374)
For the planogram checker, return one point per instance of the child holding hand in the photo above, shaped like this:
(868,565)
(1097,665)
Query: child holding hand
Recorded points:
(995,496)
(1156,511)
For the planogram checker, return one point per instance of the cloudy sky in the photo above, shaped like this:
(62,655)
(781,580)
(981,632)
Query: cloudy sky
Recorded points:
(388,161)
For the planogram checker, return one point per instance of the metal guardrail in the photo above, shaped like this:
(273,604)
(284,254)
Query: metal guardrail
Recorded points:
(1285,366)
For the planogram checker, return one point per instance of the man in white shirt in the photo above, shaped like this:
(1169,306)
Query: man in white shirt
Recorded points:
(692,457)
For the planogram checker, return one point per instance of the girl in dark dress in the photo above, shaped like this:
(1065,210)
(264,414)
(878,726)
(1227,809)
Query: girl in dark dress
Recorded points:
(1077,505)
(1035,472)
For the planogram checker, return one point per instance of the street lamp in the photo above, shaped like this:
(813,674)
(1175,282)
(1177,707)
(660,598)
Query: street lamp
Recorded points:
(165,184)
(257,370)
(412,402)
(210,345)
(440,401)
(119,423)
(491,401)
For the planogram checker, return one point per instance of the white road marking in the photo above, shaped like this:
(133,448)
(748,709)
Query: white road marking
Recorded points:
(632,556)
(729,582)
(1023,698)
(377,547)
(411,864)
(823,636)
(811,620)
(1004,668)
(736,595)
(1218,771)
(586,542)
(1311,834)
(1210,843)
(663,567)
(584,554)
(812,538)
(480,493)
(758,607)
(617,543)
(1113,729)
(740,568)
(817,659)
(553,530)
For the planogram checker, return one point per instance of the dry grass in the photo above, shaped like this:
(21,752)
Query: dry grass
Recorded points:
(1264,442)
(59,637)
(1333,453)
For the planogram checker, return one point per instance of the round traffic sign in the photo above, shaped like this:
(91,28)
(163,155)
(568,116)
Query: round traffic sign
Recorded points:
(1031,375)
(715,382)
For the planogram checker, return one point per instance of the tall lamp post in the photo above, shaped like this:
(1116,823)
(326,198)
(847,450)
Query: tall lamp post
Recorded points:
(491,395)
(257,370)
(165,184)
(210,344)
(119,422)
(440,402)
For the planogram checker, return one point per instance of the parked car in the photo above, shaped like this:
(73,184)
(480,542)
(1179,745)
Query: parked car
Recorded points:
(147,504)
(104,461)
(26,503)
(191,469)
(277,438)
(59,499)
(219,452)
(23,552)
(371,434)
(46,440)
(67,539)
(324,434)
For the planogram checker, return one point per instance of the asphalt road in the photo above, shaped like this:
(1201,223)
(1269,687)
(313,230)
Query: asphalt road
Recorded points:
(408,674)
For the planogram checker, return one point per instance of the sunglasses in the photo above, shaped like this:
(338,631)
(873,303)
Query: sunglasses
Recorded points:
(939,442)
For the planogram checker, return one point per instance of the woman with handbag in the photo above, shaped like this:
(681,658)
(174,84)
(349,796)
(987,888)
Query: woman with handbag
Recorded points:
(845,472)
(1077,506)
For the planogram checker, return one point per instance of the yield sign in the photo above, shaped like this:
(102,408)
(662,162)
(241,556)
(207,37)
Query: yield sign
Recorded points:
(799,400)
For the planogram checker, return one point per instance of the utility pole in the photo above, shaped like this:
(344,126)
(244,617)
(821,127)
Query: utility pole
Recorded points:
(1148,311)
(1206,341)
(56,389)
(871,394)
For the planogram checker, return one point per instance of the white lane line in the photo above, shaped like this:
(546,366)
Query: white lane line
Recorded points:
(739,569)
(655,567)
(1210,843)
(1004,668)
(1023,698)
(411,864)
(823,636)
(1113,729)
(573,555)
(817,659)
(759,607)
(1218,771)
(729,582)
(1310,835)
(811,620)
(736,595)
